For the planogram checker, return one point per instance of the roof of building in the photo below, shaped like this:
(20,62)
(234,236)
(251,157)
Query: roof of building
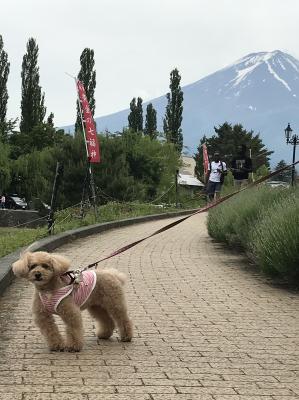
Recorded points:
(186,175)
(189,180)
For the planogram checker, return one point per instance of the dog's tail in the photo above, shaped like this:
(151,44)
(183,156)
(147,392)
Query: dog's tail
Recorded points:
(119,275)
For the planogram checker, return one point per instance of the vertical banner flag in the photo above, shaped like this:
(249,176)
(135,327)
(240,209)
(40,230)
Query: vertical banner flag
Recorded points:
(205,159)
(91,139)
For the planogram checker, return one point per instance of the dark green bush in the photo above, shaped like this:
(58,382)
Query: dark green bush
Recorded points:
(275,239)
(262,221)
(232,221)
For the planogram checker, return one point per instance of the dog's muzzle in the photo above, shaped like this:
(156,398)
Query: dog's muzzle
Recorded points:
(38,276)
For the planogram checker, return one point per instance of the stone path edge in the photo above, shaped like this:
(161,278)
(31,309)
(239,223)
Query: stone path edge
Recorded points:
(53,242)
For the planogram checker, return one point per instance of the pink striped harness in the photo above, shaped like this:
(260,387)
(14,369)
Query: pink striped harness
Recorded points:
(80,292)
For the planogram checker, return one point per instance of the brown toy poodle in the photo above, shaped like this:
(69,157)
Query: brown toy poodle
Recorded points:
(99,291)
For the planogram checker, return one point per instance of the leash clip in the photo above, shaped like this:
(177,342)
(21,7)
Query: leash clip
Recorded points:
(77,276)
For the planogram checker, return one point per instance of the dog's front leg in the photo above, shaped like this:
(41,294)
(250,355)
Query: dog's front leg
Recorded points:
(71,316)
(47,326)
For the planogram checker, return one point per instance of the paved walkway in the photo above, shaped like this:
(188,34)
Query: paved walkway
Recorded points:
(206,328)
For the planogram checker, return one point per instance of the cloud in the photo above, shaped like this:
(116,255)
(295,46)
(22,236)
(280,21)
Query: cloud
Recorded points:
(137,43)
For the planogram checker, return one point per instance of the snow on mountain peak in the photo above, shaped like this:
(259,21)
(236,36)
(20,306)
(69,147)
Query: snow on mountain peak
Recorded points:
(276,63)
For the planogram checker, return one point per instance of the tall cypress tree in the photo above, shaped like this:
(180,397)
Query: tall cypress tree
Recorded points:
(4,71)
(174,110)
(33,110)
(151,122)
(135,118)
(50,120)
(87,76)
(132,116)
(139,115)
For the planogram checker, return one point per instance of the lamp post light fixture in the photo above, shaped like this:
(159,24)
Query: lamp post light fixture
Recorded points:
(294,140)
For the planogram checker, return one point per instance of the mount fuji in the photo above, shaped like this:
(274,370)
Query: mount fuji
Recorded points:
(260,91)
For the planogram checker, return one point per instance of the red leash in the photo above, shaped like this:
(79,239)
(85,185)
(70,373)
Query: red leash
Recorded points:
(199,211)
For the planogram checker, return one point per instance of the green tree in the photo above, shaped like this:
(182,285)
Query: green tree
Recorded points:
(5,174)
(151,122)
(50,120)
(139,115)
(4,72)
(133,167)
(174,111)
(40,137)
(112,176)
(151,163)
(33,110)
(6,128)
(87,76)
(261,171)
(132,115)
(135,118)
(226,141)
(30,174)
(284,176)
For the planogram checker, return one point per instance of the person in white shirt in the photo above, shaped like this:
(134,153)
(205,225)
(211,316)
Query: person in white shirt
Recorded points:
(216,172)
(3,200)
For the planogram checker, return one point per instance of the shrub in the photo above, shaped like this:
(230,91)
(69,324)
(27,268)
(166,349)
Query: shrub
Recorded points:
(264,222)
(232,221)
(275,239)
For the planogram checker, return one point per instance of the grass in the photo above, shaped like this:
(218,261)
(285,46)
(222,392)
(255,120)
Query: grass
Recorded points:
(264,222)
(14,238)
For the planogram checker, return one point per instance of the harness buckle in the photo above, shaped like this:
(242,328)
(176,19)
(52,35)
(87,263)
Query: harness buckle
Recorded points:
(77,276)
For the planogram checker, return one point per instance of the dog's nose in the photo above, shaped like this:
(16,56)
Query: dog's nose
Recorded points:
(38,276)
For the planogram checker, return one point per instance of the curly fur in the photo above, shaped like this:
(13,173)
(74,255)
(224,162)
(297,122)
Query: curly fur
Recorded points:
(106,303)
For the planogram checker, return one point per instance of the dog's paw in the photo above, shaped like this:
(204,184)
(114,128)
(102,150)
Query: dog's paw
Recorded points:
(104,335)
(126,339)
(73,348)
(57,347)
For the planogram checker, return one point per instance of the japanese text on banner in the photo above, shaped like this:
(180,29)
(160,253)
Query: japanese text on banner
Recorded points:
(91,138)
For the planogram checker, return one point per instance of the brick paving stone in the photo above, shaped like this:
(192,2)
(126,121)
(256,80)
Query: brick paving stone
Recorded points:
(285,397)
(55,396)
(119,396)
(11,396)
(179,396)
(206,327)
(238,397)
(84,389)
(146,389)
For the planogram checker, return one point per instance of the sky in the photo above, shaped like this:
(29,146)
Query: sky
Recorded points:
(136,44)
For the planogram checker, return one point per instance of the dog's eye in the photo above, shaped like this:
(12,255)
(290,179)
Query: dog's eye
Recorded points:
(46,266)
(32,266)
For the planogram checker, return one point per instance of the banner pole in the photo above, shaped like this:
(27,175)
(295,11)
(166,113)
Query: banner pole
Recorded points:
(91,180)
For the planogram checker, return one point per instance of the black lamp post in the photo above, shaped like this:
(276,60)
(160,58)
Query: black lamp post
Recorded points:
(292,139)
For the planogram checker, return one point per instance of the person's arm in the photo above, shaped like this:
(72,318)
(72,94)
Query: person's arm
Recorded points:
(224,168)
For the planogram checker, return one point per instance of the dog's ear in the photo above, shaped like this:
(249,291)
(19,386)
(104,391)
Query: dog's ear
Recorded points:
(60,264)
(20,267)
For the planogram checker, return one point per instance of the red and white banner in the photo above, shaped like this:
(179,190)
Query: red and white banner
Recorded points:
(91,139)
(205,158)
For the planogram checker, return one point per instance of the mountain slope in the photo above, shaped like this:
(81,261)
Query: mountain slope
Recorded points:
(260,91)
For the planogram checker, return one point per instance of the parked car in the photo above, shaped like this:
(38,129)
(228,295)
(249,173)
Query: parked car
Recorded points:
(15,202)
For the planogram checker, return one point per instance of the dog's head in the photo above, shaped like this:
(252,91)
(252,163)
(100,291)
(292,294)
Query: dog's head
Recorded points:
(40,267)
